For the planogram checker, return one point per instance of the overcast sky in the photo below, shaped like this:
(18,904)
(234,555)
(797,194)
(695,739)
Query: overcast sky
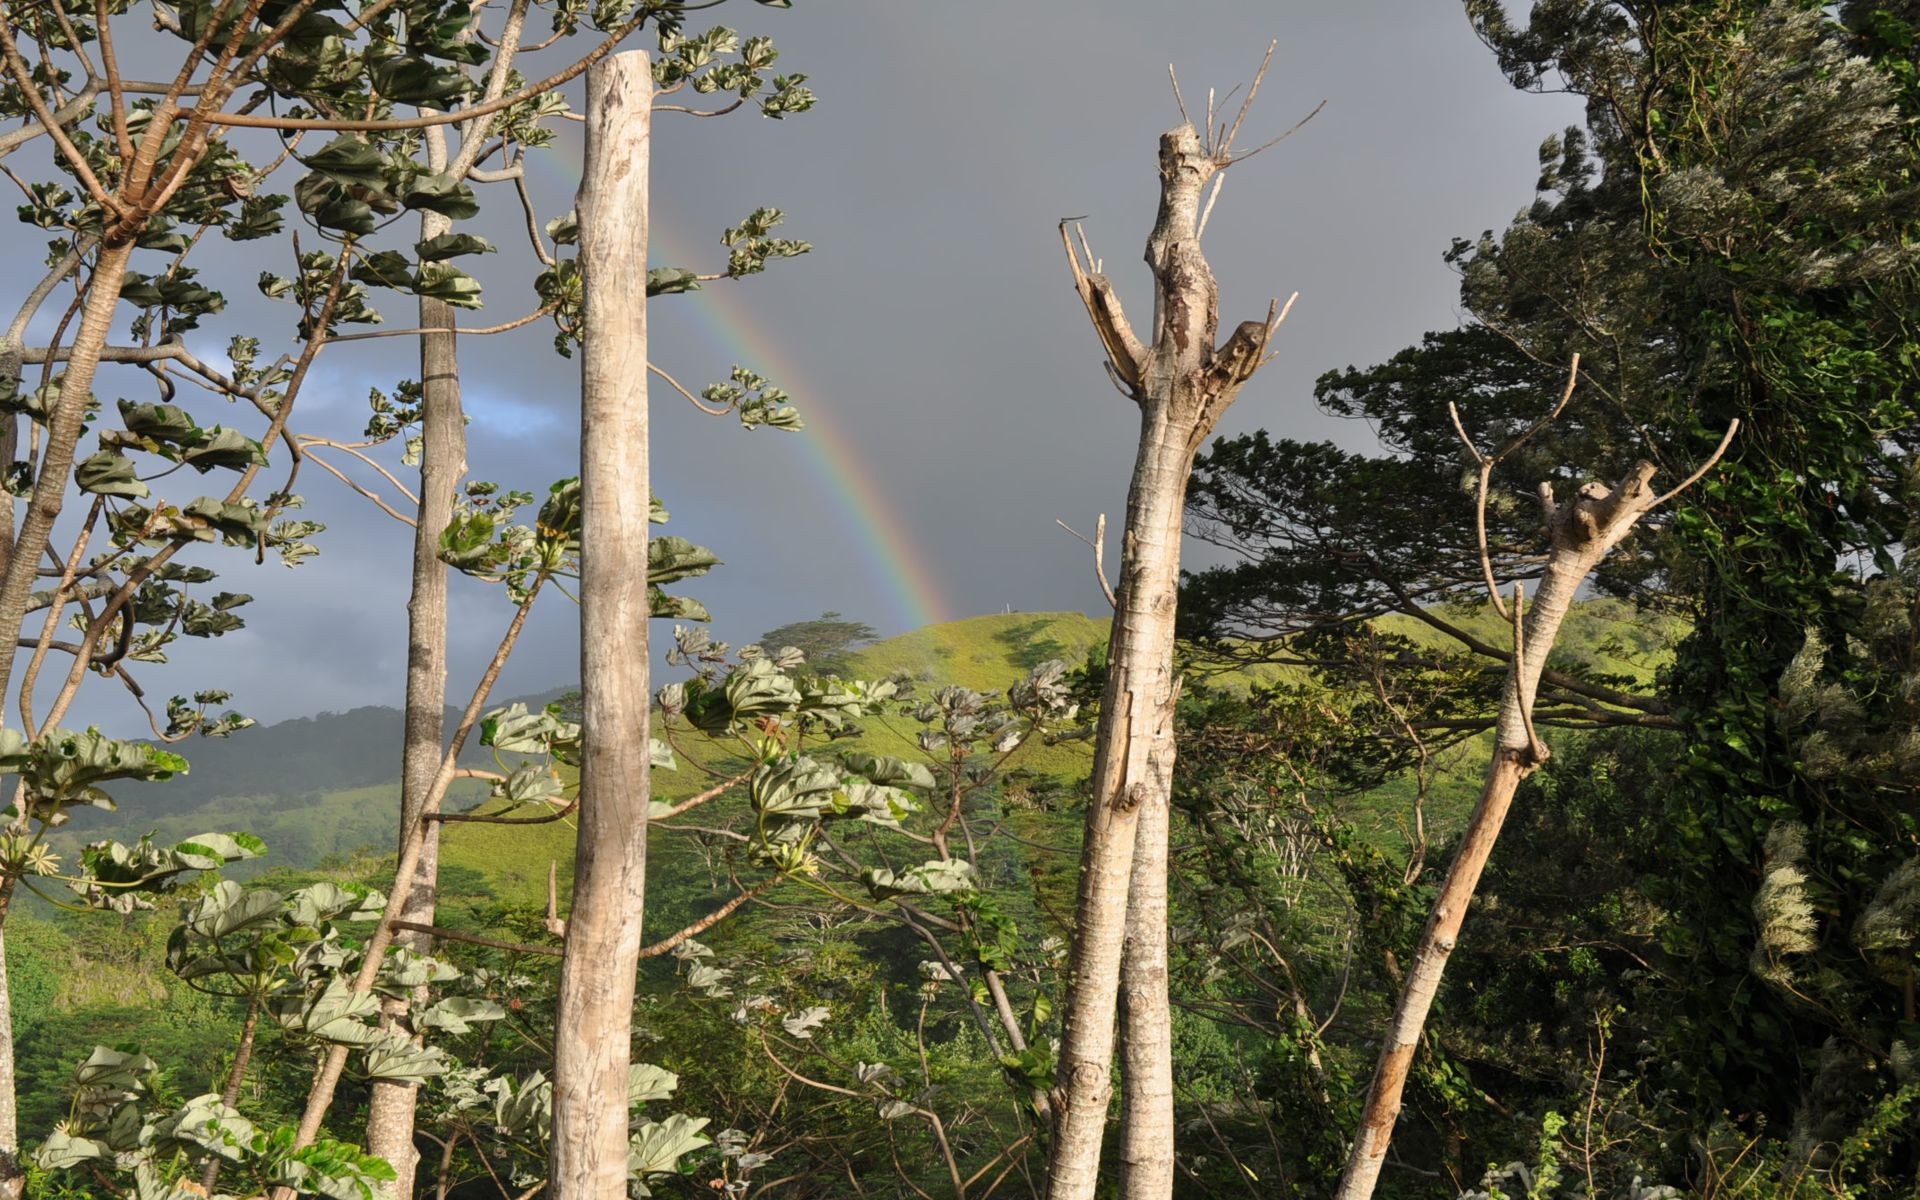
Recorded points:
(933,340)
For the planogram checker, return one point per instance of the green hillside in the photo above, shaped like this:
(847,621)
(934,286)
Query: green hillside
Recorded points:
(984,653)
(323,788)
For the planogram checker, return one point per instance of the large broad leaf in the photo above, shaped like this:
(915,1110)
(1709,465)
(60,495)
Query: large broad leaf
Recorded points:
(208,1124)
(225,448)
(656,1146)
(670,558)
(384,268)
(793,788)
(349,159)
(61,1151)
(114,1070)
(332,207)
(455,1014)
(162,422)
(409,80)
(647,1082)
(760,689)
(660,754)
(320,903)
(514,730)
(803,1023)
(393,1058)
(237,521)
(228,909)
(467,541)
(896,772)
(205,851)
(408,969)
(668,281)
(531,783)
(929,878)
(523,1108)
(336,1014)
(443,194)
(447,283)
(119,877)
(874,804)
(109,474)
(449,245)
(685,608)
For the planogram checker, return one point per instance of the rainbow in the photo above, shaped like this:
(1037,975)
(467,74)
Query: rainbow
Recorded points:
(731,332)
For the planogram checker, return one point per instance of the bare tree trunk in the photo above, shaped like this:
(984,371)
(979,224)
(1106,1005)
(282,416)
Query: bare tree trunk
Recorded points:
(236,1079)
(1182,384)
(443,463)
(1581,534)
(1146,1021)
(56,462)
(390,1112)
(595,1019)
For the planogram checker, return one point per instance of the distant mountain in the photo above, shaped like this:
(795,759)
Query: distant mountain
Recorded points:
(311,787)
(327,785)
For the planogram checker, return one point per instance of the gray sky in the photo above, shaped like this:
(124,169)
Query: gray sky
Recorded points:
(933,338)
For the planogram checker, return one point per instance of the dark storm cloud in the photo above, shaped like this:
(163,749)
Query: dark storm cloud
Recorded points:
(934,326)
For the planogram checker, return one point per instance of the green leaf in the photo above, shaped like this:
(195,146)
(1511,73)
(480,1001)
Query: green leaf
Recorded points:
(162,422)
(565,229)
(384,268)
(670,281)
(443,194)
(760,689)
(61,1151)
(393,1058)
(229,909)
(349,159)
(406,79)
(514,730)
(647,1082)
(531,783)
(937,877)
(656,1146)
(446,282)
(794,788)
(321,903)
(881,768)
(448,245)
(455,1014)
(225,448)
(108,473)
(670,558)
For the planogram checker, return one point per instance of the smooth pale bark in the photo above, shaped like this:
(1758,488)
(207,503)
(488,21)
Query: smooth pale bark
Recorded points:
(1581,533)
(595,1018)
(443,463)
(443,451)
(1146,1018)
(1182,384)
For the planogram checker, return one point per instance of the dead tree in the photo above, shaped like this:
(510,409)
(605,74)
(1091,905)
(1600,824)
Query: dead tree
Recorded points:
(1580,533)
(1182,380)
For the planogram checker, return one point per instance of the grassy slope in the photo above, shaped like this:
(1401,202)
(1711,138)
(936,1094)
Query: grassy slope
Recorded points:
(983,653)
(988,653)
